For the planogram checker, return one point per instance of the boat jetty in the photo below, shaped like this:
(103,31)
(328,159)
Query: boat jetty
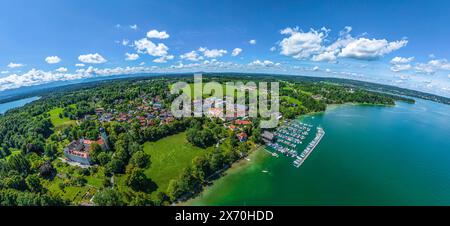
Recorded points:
(289,137)
(300,159)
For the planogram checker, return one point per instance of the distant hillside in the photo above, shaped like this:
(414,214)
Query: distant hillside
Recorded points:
(349,82)
(37,90)
(24,92)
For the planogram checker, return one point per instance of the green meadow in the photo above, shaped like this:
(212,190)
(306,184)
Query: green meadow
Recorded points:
(57,121)
(169,157)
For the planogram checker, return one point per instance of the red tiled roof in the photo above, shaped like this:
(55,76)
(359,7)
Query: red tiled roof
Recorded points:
(89,142)
(242,136)
(79,153)
(100,142)
(242,122)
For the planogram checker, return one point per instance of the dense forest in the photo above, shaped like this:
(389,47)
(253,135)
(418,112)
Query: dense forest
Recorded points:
(134,114)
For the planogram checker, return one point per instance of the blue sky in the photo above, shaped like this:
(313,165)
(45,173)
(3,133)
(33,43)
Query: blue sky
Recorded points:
(404,43)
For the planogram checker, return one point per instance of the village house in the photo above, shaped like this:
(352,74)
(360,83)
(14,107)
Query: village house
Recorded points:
(168,120)
(157,106)
(212,102)
(99,111)
(239,112)
(317,97)
(216,113)
(232,127)
(268,136)
(242,122)
(242,137)
(197,104)
(105,117)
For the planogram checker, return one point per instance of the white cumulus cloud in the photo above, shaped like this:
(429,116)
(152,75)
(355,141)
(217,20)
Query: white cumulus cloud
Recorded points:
(370,49)
(401,60)
(92,58)
(212,53)
(163,59)
(35,77)
(441,64)
(62,70)
(301,45)
(425,69)
(313,45)
(265,63)
(146,46)
(236,51)
(325,56)
(52,59)
(79,65)
(252,42)
(157,34)
(131,56)
(400,67)
(401,64)
(432,66)
(15,65)
(192,56)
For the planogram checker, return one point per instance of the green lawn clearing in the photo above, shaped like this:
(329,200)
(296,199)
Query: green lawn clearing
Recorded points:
(57,121)
(169,157)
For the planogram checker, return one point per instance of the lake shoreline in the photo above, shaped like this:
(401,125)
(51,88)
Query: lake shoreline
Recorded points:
(235,167)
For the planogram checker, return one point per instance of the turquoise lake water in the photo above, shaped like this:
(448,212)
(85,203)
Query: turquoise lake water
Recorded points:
(370,155)
(14,104)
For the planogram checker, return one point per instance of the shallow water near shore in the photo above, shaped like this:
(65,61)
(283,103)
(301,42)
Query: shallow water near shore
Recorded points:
(370,155)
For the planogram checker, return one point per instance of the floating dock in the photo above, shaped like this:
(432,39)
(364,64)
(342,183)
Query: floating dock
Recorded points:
(290,136)
(310,148)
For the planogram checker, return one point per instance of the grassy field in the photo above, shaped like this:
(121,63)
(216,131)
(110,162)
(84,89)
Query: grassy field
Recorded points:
(291,89)
(291,100)
(96,180)
(191,92)
(57,121)
(169,157)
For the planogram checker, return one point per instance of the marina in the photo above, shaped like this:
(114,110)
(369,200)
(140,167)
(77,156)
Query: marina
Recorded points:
(289,139)
(308,150)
